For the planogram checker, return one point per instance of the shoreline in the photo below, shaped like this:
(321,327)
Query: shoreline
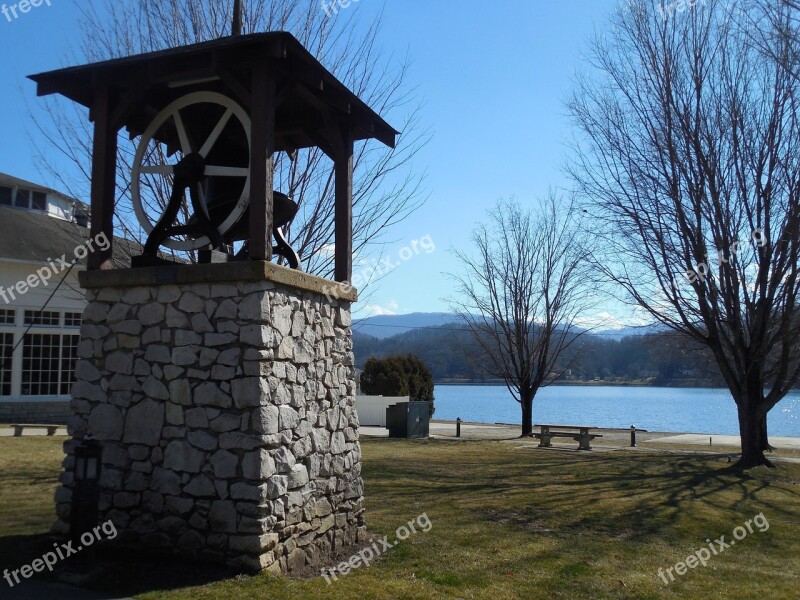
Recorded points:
(618,430)
(686,384)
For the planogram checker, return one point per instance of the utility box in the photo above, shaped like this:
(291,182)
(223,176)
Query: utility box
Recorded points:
(408,420)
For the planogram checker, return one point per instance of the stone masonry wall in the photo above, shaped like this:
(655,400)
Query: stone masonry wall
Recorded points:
(226,415)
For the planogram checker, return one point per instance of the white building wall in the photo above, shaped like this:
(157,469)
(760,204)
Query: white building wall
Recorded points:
(59,207)
(68,299)
(69,296)
(372,409)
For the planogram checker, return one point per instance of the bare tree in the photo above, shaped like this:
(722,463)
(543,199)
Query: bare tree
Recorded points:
(689,161)
(386,188)
(521,293)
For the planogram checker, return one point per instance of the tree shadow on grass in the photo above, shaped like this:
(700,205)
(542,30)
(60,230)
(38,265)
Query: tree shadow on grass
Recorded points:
(642,495)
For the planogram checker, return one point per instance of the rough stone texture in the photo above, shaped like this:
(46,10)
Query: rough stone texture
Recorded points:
(229,429)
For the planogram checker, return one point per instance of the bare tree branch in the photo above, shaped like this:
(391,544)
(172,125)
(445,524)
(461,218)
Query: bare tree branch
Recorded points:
(386,187)
(689,163)
(523,288)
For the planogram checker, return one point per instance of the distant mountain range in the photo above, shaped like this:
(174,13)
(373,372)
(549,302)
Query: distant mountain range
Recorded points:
(623,332)
(385,326)
(640,355)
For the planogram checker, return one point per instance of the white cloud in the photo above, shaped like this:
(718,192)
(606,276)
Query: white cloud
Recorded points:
(376,310)
(601,320)
(605,320)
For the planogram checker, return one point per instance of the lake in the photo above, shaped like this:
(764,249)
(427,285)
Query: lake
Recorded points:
(689,410)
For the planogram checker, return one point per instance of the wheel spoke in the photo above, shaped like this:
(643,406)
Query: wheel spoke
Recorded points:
(217,171)
(214,136)
(201,198)
(186,146)
(158,169)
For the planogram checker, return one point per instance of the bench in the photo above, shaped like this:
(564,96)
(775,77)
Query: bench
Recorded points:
(580,433)
(51,429)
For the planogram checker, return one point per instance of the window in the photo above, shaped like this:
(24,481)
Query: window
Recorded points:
(48,364)
(5,195)
(69,353)
(23,199)
(47,318)
(41,355)
(6,347)
(39,201)
(45,366)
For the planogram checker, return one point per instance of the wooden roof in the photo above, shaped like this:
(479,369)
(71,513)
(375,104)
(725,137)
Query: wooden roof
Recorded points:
(311,98)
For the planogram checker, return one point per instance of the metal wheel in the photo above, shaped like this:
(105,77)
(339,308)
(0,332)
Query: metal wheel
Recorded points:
(187,146)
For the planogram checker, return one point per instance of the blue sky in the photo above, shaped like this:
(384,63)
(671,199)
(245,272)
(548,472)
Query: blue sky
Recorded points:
(493,77)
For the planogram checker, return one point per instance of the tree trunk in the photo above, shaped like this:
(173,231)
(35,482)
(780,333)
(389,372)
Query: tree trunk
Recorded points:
(526,400)
(751,433)
(765,445)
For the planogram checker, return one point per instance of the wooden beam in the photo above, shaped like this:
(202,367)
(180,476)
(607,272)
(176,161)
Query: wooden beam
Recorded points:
(236,28)
(262,147)
(240,91)
(104,172)
(343,235)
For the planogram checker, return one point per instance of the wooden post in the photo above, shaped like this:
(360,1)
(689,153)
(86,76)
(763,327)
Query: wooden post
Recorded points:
(262,147)
(343,236)
(104,173)
(236,28)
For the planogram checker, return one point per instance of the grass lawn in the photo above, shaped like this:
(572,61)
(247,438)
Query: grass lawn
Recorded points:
(508,522)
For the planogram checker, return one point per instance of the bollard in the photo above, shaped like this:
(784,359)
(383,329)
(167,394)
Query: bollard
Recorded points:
(458,427)
(633,436)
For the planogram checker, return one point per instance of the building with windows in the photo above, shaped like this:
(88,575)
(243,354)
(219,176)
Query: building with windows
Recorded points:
(42,233)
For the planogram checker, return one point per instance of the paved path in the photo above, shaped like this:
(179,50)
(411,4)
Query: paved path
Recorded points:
(700,439)
(448,429)
(6,431)
(498,431)
(613,439)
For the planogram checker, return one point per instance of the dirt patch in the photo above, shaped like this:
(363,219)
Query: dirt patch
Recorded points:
(516,519)
(342,555)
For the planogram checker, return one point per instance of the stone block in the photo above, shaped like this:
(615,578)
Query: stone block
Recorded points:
(153,388)
(200,486)
(106,423)
(265,420)
(222,516)
(202,440)
(180,456)
(210,394)
(258,465)
(226,422)
(144,422)
(277,486)
(224,464)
